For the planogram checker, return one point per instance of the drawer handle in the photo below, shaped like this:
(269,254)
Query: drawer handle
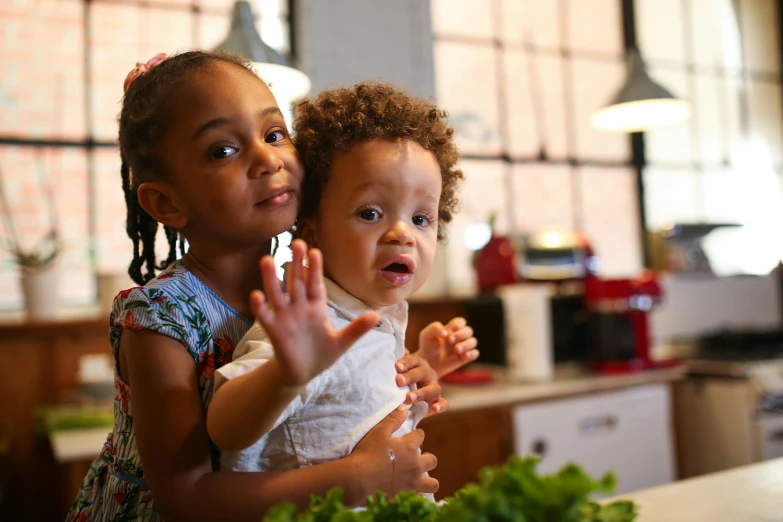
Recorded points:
(598,424)
(539,447)
(776,436)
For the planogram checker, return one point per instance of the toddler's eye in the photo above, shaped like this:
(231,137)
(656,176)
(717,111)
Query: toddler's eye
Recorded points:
(421,221)
(223,151)
(370,214)
(275,136)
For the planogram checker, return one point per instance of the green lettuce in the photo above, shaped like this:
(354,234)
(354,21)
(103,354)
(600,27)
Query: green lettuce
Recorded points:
(514,493)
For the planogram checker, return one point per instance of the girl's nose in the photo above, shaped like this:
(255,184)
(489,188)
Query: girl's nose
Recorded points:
(267,160)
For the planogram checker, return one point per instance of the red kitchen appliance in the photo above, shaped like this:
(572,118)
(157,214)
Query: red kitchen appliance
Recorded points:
(495,264)
(550,255)
(618,322)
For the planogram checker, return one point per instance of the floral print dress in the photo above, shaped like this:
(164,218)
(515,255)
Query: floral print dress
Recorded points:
(176,304)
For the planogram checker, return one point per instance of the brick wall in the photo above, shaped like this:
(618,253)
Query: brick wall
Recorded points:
(43,96)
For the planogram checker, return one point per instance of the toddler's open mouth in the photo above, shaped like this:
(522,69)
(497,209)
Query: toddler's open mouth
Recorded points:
(397,268)
(397,274)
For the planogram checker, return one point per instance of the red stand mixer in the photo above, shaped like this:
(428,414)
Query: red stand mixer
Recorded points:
(619,322)
(618,309)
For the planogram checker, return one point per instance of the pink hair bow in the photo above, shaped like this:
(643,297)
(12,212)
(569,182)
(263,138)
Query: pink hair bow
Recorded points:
(143,68)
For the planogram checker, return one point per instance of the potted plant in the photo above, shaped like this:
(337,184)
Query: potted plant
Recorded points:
(37,265)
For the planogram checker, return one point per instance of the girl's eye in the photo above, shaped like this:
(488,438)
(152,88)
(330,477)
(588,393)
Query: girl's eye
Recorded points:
(275,136)
(370,214)
(421,221)
(223,151)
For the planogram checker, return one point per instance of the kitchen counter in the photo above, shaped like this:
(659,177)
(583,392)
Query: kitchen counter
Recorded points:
(569,381)
(748,494)
(75,445)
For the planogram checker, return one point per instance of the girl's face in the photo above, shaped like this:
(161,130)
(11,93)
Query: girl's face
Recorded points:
(234,171)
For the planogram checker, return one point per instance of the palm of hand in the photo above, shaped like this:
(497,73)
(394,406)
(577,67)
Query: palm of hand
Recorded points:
(304,341)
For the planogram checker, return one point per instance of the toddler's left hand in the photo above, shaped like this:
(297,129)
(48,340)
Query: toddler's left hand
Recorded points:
(449,347)
(414,369)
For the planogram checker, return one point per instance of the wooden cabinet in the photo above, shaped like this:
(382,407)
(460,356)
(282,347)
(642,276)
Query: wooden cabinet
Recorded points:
(39,363)
(465,442)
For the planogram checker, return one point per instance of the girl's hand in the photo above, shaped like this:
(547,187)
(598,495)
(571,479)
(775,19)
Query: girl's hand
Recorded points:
(449,347)
(414,369)
(390,464)
(298,326)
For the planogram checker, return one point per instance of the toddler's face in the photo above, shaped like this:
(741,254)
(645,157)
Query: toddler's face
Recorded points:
(377,221)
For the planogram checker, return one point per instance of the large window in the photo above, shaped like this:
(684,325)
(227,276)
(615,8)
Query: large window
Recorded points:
(63,66)
(521,79)
(724,164)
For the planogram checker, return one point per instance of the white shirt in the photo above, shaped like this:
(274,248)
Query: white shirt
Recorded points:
(339,406)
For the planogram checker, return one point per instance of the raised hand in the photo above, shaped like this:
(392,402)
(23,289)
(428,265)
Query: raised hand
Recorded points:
(449,347)
(304,342)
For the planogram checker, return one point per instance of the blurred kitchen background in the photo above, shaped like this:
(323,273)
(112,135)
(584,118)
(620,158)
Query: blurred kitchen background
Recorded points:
(624,286)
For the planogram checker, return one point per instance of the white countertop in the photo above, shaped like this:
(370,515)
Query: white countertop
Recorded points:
(73,445)
(568,381)
(748,494)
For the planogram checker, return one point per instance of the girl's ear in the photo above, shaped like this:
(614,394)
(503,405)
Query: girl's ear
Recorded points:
(158,200)
(307,231)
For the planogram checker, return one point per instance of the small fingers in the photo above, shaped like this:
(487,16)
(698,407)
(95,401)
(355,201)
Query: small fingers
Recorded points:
(357,328)
(434,330)
(428,462)
(411,360)
(429,393)
(463,333)
(315,275)
(456,324)
(414,438)
(428,484)
(417,374)
(272,288)
(439,406)
(392,422)
(469,356)
(296,285)
(466,345)
(260,309)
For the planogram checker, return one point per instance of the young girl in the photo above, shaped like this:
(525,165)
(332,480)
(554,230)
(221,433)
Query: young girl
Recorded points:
(380,189)
(206,153)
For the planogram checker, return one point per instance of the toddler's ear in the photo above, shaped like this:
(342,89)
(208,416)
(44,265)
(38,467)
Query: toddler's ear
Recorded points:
(306,230)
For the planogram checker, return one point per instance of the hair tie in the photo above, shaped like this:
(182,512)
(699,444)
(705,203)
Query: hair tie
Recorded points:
(143,68)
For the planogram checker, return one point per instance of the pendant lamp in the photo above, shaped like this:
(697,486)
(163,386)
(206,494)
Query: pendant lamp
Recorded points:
(243,39)
(641,104)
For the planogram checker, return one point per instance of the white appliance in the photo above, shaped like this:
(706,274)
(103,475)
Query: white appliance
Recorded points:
(628,432)
(527,310)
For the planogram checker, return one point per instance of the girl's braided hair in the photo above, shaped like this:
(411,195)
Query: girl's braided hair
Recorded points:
(142,125)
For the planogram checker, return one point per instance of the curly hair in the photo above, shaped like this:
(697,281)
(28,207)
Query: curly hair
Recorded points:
(338,119)
(142,125)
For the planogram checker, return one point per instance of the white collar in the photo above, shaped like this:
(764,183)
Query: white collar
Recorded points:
(349,307)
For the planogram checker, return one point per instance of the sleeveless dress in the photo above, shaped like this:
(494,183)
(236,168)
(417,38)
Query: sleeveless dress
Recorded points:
(176,304)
